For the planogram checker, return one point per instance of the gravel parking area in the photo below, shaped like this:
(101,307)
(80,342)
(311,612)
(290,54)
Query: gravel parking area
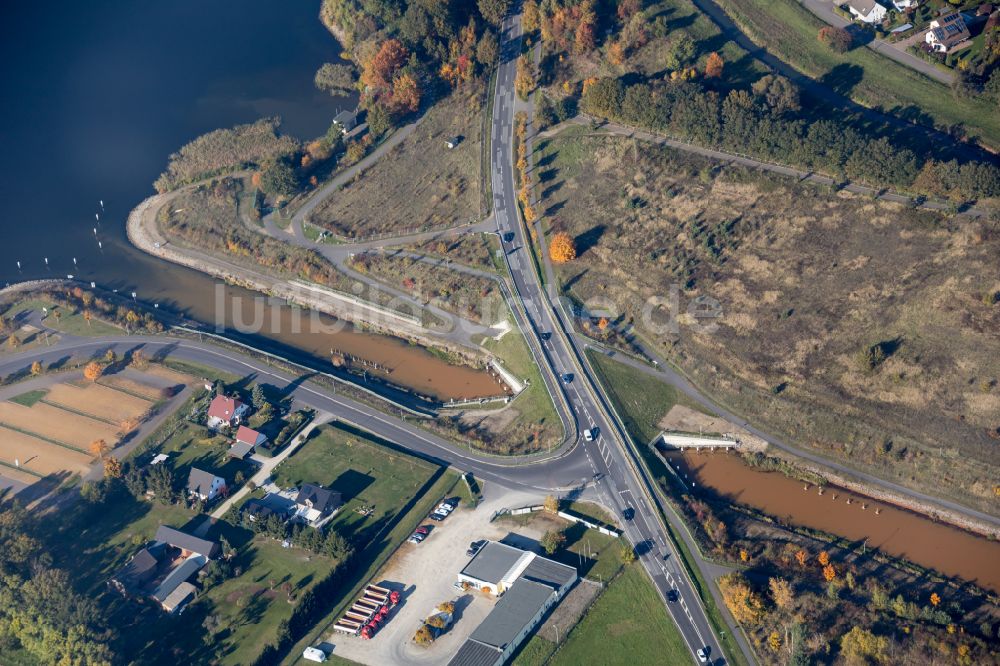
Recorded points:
(424,574)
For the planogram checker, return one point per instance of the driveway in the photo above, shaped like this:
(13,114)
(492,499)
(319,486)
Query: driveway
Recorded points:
(424,575)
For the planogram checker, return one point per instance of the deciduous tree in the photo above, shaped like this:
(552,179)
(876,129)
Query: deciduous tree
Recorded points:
(36,368)
(335,79)
(93,371)
(836,39)
(713,65)
(553,540)
(781,592)
(100,448)
(562,248)
(382,67)
(112,468)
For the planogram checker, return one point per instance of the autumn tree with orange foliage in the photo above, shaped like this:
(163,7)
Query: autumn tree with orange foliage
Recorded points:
(801,557)
(743,602)
(781,592)
(616,53)
(406,94)
(380,69)
(602,323)
(824,558)
(93,371)
(524,79)
(829,573)
(935,599)
(713,65)
(100,448)
(562,248)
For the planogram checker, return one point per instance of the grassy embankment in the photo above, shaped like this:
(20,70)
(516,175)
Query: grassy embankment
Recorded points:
(789,31)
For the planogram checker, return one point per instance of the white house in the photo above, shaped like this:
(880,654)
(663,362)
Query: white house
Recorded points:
(946,32)
(867,11)
(204,485)
(226,412)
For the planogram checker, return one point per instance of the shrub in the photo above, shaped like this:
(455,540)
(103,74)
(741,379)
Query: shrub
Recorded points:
(837,39)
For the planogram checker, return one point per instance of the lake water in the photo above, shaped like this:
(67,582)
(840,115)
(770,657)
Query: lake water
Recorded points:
(98,94)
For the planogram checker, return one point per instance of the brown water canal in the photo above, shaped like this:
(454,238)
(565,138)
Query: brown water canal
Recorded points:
(894,531)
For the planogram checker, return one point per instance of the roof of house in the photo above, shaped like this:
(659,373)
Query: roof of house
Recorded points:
(187,568)
(475,654)
(345,117)
(178,596)
(248,435)
(549,572)
(492,562)
(138,569)
(863,6)
(519,606)
(200,481)
(322,499)
(240,450)
(186,541)
(984,9)
(224,407)
(258,508)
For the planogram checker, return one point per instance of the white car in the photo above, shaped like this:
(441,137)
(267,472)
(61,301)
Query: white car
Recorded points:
(702,655)
(590,434)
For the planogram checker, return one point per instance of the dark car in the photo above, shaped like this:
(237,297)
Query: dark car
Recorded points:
(546,335)
(475,547)
(508,237)
(451,501)
(673,596)
(628,514)
(437,516)
(567,378)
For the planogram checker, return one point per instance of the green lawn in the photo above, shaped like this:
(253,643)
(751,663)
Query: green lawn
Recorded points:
(366,473)
(640,399)
(628,624)
(535,652)
(30,398)
(193,445)
(69,321)
(789,31)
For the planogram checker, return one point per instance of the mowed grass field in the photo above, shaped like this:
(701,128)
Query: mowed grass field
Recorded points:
(628,624)
(788,30)
(420,184)
(365,472)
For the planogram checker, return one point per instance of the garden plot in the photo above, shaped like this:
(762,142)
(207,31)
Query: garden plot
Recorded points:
(100,401)
(52,422)
(38,456)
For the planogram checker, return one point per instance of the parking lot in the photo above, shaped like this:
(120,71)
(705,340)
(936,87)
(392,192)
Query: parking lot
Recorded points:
(424,574)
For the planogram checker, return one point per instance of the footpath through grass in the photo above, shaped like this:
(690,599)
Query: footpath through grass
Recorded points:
(788,30)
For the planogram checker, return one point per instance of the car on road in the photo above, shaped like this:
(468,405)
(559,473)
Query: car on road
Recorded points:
(673,596)
(590,434)
(703,655)
(546,335)
(508,237)
(475,547)
(567,377)
(628,514)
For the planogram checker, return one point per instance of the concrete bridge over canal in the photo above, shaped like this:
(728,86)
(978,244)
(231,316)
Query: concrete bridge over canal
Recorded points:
(682,441)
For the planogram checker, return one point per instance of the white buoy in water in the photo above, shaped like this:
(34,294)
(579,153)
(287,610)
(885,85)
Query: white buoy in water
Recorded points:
(97,217)
(100,246)
(102,204)
(19,265)
(74,261)
(95,231)
(46,261)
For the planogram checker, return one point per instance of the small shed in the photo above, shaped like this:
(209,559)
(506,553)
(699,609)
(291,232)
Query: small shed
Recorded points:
(314,654)
(452,141)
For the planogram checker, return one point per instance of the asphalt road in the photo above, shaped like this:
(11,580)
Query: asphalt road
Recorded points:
(617,481)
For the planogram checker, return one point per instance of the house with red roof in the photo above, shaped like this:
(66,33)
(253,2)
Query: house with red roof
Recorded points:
(226,412)
(247,439)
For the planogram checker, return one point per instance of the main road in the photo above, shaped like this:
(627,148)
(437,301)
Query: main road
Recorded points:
(617,478)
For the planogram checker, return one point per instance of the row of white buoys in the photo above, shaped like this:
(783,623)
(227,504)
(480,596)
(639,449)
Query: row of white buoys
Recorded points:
(100,244)
(849,500)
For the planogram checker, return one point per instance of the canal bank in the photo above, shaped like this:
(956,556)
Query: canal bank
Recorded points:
(874,524)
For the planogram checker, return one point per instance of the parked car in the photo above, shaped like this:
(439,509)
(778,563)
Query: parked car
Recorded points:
(416,537)
(423,529)
(475,547)
(452,502)
(438,515)
(444,508)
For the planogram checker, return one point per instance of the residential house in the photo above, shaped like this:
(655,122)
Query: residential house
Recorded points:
(247,440)
(537,585)
(346,121)
(204,485)
(946,32)
(867,11)
(226,412)
(188,544)
(314,504)
(139,570)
